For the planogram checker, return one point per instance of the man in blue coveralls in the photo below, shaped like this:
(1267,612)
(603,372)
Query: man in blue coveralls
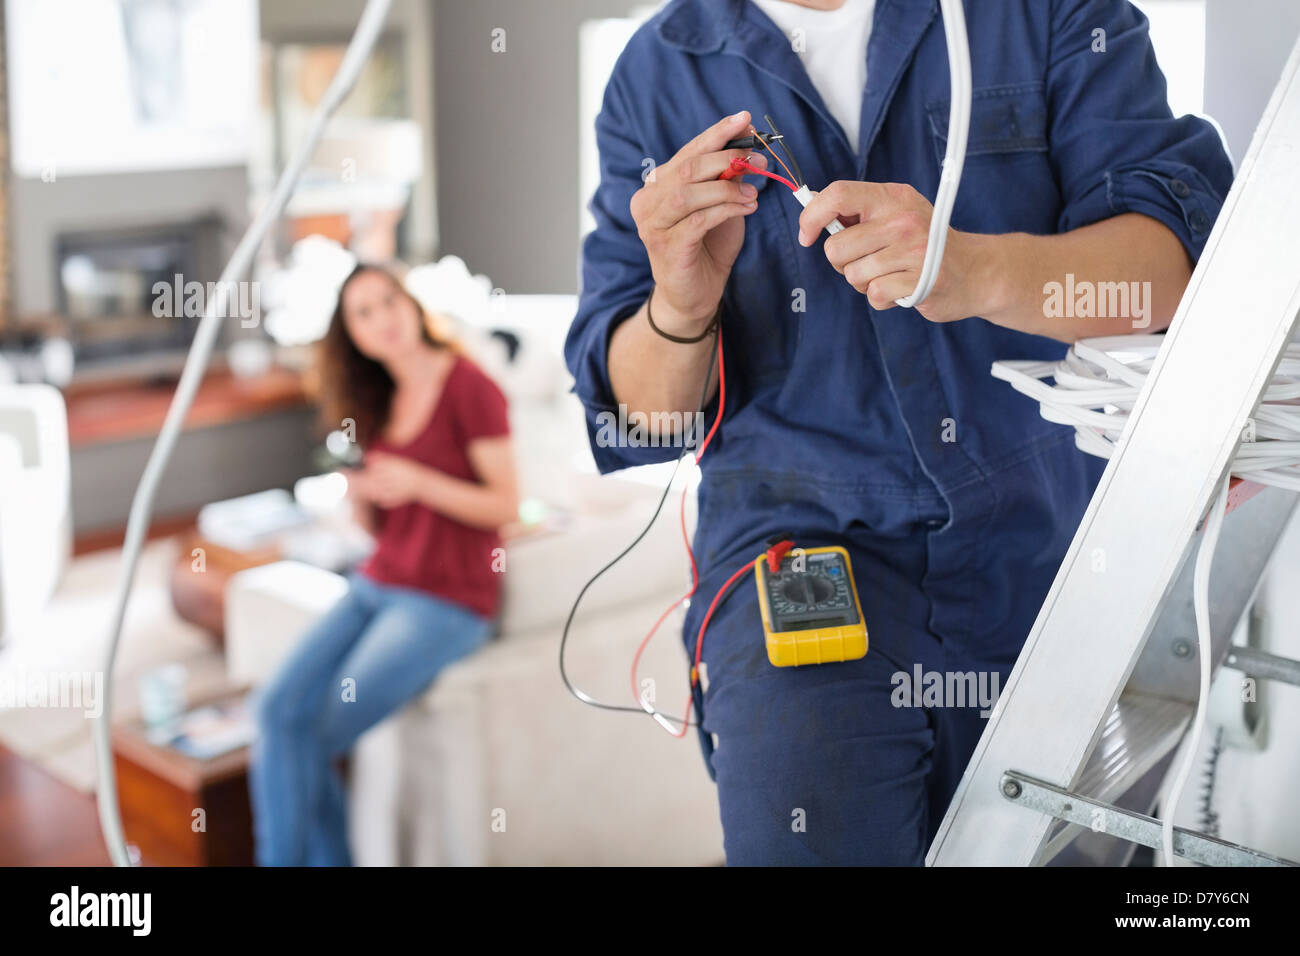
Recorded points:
(850,421)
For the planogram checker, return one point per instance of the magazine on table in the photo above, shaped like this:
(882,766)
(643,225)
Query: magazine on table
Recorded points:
(210,730)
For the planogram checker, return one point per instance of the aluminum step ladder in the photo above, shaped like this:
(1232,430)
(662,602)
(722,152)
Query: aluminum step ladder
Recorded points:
(1087,726)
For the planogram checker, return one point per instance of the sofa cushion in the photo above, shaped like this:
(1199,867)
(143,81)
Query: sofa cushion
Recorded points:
(268,608)
(546,571)
(499,735)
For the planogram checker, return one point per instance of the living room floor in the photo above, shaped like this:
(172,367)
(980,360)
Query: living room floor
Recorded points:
(48,814)
(43,821)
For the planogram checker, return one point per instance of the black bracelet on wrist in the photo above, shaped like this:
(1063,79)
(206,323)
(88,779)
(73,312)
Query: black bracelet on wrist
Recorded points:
(713,326)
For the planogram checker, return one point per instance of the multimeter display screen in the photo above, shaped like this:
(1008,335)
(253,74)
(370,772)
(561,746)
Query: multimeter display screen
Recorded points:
(817,596)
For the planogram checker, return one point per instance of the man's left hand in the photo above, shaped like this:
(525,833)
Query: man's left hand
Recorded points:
(880,250)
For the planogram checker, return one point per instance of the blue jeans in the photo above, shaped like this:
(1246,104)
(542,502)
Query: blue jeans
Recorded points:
(375,650)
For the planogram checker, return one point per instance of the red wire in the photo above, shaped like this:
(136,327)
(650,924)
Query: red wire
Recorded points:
(741,164)
(695,578)
(717,598)
(695,573)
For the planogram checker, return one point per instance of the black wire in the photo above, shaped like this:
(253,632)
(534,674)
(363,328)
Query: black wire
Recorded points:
(564,638)
(780,141)
(1209,819)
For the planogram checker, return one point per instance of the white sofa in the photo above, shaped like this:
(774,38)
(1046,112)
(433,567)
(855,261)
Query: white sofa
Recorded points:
(497,763)
(35,509)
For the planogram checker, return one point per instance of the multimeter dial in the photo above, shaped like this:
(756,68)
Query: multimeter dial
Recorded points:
(805,590)
(818,595)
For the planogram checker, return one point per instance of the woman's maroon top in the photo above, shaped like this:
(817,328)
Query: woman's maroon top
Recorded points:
(418,547)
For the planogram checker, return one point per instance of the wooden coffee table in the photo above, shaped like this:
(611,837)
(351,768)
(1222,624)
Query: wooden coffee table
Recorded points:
(160,788)
(200,596)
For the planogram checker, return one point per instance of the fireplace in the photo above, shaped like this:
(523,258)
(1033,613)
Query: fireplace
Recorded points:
(105,281)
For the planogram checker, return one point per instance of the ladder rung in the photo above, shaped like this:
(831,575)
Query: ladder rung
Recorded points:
(1138,828)
(1257,663)
(1139,733)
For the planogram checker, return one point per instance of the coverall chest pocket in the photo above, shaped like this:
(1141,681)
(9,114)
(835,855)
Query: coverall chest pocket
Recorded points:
(1007,165)
(766,286)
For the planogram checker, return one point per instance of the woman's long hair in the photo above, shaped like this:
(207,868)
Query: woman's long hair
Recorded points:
(353,385)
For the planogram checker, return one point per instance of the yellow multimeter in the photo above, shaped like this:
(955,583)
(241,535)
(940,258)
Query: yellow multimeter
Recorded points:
(810,608)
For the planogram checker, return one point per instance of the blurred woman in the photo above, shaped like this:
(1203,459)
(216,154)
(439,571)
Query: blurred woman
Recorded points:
(436,484)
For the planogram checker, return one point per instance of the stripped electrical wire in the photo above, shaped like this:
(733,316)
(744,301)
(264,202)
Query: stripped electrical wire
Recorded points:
(776,137)
(756,140)
(740,166)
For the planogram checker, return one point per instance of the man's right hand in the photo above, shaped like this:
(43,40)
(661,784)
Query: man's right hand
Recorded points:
(692,225)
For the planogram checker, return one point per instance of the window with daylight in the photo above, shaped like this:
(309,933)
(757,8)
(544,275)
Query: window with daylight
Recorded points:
(1178,34)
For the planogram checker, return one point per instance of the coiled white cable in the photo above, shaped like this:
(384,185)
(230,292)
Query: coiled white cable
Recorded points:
(1097,384)
(358,52)
(954,158)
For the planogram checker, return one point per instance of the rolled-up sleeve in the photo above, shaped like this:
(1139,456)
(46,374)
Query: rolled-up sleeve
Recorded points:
(615,277)
(1115,145)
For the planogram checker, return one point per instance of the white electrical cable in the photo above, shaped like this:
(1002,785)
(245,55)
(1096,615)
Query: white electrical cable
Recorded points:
(805,196)
(954,28)
(1201,605)
(358,52)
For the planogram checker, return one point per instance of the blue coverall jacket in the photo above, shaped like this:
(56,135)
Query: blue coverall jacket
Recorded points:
(878,430)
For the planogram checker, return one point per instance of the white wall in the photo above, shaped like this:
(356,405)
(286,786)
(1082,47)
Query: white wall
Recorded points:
(508,136)
(1178,35)
(1247,42)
